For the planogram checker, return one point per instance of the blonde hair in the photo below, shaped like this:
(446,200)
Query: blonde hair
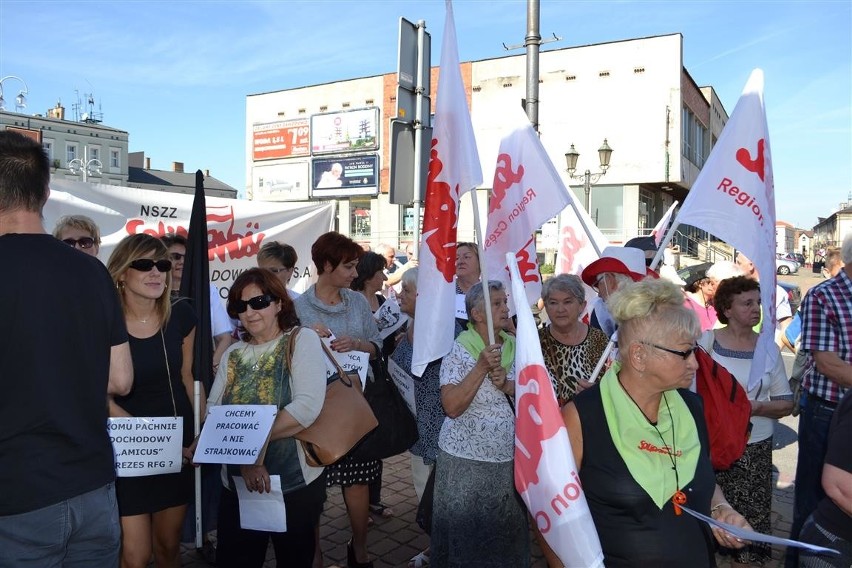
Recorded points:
(652,309)
(132,248)
(80,222)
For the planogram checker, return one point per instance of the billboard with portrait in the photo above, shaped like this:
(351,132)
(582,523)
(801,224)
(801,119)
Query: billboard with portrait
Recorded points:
(345,176)
(341,132)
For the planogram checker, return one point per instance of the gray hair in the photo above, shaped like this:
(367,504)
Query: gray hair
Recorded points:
(80,222)
(409,277)
(846,249)
(475,298)
(566,283)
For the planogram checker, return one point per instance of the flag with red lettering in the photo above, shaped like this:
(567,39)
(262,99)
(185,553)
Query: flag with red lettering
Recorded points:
(659,230)
(453,170)
(733,198)
(526,192)
(545,471)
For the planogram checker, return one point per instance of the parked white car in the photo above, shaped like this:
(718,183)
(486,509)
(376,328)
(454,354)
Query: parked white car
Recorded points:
(784,266)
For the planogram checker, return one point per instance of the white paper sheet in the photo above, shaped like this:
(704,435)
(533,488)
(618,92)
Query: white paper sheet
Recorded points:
(262,511)
(351,361)
(745,534)
(404,383)
(389,318)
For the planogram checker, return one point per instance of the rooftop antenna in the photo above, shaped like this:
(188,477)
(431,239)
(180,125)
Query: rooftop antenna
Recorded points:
(85,112)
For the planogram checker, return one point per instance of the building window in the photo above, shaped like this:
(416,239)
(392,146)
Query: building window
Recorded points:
(687,136)
(114,158)
(94,153)
(47,146)
(359,220)
(70,152)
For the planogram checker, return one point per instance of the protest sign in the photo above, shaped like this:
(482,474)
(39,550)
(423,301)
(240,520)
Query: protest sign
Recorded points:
(146,445)
(404,383)
(234,433)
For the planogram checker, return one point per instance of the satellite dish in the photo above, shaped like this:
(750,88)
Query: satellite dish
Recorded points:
(85,116)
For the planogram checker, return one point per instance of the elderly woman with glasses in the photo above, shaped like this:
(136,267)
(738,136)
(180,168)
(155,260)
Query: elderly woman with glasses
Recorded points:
(747,484)
(478,519)
(640,441)
(152,507)
(79,232)
(344,316)
(571,348)
(255,371)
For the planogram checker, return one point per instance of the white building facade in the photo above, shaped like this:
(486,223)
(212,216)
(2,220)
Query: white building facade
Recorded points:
(635,93)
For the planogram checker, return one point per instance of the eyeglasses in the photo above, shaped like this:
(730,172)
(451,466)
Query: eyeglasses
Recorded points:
(682,354)
(600,277)
(83,242)
(147,264)
(176,256)
(256,303)
(278,270)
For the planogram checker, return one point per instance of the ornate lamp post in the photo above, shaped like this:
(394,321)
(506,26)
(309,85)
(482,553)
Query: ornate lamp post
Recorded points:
(588,178)
(88,167)
(20,100)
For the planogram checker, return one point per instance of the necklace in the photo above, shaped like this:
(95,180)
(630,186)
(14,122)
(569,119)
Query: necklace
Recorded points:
(259,358)
(679,497)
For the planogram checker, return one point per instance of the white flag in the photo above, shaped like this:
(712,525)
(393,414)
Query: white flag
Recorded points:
(453,170)
(733,198)
(545,470)
(526,192)
(660,229)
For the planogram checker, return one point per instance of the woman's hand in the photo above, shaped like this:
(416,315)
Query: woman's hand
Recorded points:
(489,358)
(498,378)
(344,344)
(256,478)
(727,514)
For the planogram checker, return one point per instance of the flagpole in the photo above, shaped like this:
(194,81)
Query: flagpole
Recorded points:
(573,205)
(483,268)
(667,238)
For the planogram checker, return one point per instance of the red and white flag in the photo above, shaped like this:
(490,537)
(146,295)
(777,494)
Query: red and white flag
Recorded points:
(527,191)
(733,198)
(660,229)
(453,170)
(545,470)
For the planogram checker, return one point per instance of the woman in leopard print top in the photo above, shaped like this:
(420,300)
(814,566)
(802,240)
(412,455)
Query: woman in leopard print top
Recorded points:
(571,348)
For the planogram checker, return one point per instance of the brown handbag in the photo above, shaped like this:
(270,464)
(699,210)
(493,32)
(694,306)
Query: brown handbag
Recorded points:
(344,420)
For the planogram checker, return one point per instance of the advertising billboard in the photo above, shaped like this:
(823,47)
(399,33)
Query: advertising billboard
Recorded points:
(281,182)
(345,176)
(341,132)
(282,139)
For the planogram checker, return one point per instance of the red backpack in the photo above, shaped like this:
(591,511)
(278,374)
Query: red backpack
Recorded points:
(727,410)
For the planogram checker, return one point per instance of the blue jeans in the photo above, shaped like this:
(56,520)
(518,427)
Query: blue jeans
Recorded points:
(814,422)
(82,531)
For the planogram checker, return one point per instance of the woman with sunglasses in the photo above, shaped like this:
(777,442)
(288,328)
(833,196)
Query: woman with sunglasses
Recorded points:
(640,440)
(332,309)
(255,371)
(152,507)
(80,232)
(747,484)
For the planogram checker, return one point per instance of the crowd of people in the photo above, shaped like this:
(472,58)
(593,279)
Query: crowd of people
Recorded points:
(86,342)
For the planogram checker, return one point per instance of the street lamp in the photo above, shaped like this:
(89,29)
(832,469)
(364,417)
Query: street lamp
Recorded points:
(588,178)
(20,100)
(88,167)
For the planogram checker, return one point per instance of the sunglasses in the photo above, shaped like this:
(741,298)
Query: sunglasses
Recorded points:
(147,264)
(257,303)
(83,242)
(682,354)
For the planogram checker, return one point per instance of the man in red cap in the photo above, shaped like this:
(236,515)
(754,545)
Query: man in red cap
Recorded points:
(616,267)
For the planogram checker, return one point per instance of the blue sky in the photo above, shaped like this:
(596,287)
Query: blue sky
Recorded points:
(175,74)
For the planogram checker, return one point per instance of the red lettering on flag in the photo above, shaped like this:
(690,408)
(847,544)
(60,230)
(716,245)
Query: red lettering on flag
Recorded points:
(504,178)
(440,217)
(756,165)
(536,422)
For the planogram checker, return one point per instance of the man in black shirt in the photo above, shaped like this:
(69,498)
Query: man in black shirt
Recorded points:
(63,350)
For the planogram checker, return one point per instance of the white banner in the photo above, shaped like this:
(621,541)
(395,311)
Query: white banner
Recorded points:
(453,170)
(733,198)
(526,192)
(236,229)
(146,445)
(545,471)
(234,433)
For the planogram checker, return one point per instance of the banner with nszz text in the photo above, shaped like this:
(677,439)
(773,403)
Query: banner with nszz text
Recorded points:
(236,228)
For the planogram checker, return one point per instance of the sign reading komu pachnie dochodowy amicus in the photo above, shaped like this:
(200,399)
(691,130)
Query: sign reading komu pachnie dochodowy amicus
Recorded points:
(234,433)
(146,445)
